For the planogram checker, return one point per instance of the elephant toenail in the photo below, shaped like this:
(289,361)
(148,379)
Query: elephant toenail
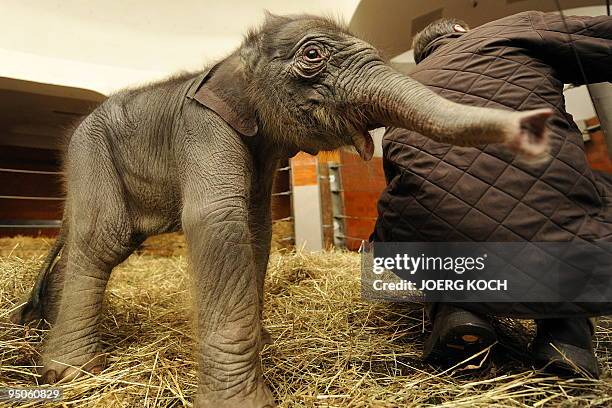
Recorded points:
(50,377)
(97,369)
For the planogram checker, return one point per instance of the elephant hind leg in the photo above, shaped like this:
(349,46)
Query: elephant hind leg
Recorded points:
(101,235)
(93,250)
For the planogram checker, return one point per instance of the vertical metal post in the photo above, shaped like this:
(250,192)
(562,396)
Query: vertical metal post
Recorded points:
(335,187)
(601,95)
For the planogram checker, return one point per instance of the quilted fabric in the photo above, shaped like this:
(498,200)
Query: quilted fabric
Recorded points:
(438,192)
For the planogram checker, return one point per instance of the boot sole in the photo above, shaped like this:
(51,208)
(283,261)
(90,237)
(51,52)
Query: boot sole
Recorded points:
(574,360)
(459,338)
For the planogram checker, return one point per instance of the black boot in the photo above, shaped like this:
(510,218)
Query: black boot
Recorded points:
(456,335)
(565,347)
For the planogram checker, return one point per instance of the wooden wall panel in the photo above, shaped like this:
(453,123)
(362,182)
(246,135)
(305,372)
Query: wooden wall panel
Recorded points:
(31,232)
(28,211)
(304,169)
(11,209)
(30,185)
(597,150)
(362,183)
(27,158)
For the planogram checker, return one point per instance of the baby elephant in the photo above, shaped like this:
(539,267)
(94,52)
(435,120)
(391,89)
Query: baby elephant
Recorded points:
(198,152)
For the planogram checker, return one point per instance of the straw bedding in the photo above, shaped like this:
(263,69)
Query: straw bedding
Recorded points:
(330,349)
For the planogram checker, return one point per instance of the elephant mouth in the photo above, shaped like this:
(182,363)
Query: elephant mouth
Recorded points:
(363,143)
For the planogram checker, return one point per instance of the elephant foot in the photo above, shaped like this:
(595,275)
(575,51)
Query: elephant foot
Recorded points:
(55,372)
(260,398)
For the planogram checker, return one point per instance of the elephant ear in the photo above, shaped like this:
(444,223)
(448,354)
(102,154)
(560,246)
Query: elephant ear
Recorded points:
(222,91)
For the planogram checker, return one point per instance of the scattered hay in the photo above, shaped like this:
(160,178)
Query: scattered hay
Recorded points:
(172,244)
(283,234)
(331,348)
(25,247)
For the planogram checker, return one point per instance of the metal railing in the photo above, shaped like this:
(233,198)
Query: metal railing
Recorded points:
(339,216)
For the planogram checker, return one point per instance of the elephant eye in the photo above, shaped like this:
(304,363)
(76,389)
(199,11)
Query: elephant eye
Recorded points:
(312,54)
(310,61)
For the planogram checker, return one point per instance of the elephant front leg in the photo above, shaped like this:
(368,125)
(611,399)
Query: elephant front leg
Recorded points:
(227,306)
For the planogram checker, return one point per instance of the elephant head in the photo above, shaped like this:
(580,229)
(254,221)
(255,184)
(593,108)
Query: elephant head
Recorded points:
(306,83)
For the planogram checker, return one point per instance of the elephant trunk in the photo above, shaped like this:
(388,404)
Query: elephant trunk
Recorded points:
(392,99)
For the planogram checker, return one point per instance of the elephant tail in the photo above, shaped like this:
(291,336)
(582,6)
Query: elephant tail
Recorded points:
(41,281)
(32,308)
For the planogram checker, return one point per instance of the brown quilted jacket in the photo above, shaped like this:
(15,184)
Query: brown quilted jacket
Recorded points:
(438,192)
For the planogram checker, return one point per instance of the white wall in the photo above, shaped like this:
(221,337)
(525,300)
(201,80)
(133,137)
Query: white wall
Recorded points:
(105,45)
(307,219)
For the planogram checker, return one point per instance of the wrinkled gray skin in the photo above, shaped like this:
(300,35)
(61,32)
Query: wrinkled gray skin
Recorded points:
(154,160)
